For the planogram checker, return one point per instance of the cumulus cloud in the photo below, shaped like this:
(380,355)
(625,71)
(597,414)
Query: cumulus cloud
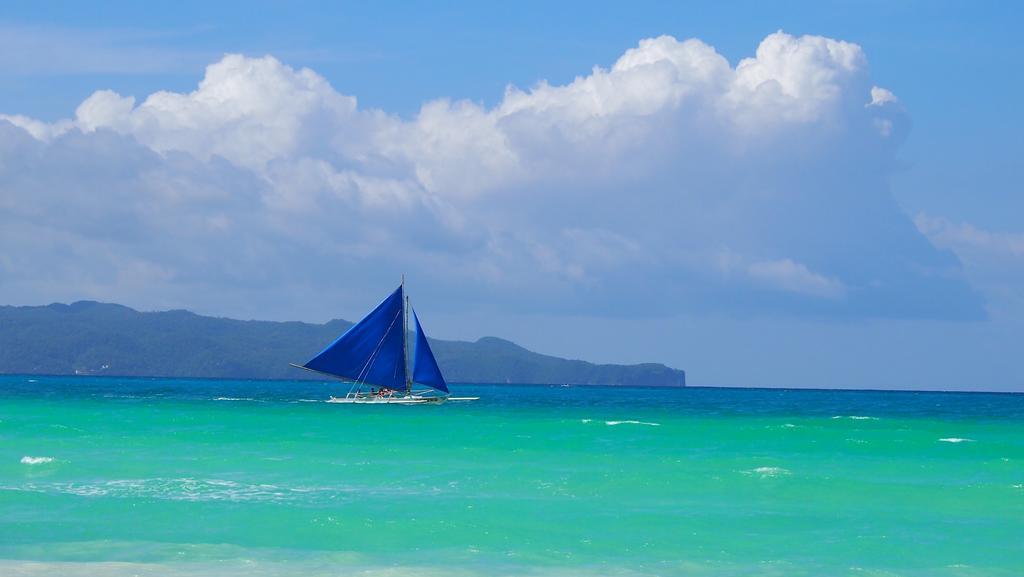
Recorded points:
(266,192)
(881,96)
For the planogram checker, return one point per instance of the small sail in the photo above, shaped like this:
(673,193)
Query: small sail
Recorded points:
(372,351)
(425,370)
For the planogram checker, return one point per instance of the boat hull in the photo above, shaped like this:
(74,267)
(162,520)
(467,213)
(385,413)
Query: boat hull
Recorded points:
(394,400)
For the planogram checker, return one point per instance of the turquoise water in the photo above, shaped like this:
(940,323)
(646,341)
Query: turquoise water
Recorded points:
(155,477)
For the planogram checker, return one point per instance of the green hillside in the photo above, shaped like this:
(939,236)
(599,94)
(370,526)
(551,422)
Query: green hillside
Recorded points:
(96,338)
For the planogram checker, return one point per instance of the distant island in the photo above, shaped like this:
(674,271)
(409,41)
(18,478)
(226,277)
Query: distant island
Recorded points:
(91,338)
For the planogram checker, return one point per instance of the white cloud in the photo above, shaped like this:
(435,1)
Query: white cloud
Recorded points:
(623,185)
(104,109)
(881,96)
(795,79)
(38,129)
(966,239)
(795,277)
(993,261)
(248,110)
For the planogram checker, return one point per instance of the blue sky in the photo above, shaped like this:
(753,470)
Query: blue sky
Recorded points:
(828,236)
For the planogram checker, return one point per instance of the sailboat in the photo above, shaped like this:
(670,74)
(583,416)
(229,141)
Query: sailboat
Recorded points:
(373,355)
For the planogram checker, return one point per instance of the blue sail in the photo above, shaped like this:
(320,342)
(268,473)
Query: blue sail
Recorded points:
(372,351)
(424,369)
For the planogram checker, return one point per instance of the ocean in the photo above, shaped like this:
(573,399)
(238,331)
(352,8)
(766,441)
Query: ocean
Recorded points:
(172,477)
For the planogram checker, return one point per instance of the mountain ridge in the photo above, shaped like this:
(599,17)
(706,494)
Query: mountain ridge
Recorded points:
(91,337)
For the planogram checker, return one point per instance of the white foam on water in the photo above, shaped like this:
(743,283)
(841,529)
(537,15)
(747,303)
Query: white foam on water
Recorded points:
(205,490)
(767,471)
(26,460)
(789,426)
(614,423)
(33,381)
(311,401)
(856,417)
(955,440)
(1019,486)
(233,399)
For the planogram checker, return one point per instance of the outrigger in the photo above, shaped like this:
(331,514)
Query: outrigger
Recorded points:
(374,354)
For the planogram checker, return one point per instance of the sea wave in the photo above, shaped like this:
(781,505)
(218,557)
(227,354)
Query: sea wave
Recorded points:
(184,489)
(855,417)
(955,440)
(201,490)
(27,460)
(234,399)
(768,471)
(614,423)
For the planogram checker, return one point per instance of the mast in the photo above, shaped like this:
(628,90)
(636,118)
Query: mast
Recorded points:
(405,338)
